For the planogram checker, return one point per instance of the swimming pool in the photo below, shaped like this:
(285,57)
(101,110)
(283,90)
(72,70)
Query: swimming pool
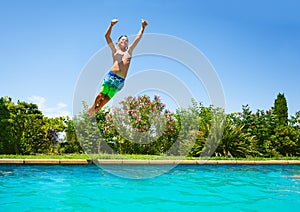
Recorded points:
(186,187)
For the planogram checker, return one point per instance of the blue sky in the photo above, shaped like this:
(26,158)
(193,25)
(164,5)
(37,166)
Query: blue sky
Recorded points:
(254,46)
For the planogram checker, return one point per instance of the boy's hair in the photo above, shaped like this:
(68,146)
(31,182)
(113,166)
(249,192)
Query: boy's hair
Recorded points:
(122,36)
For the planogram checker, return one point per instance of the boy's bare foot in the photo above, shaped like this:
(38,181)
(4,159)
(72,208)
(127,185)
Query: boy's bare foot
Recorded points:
(91,110)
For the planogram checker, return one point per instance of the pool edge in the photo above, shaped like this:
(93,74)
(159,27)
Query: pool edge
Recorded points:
(147,162)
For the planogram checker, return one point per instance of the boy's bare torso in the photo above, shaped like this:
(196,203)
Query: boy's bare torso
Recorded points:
(121,63)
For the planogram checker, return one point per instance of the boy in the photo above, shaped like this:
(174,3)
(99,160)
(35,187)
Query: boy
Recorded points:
(114,81)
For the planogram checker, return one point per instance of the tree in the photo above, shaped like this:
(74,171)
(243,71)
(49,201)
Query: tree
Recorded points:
(6,142)
(281,109)
(72,145)
(20,127)
(27,133)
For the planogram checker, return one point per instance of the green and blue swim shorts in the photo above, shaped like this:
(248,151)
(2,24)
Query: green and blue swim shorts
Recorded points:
(112,83)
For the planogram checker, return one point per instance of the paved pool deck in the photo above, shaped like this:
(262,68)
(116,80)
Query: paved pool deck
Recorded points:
(145,162)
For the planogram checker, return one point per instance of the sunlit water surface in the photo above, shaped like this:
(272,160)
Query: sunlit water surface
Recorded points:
(185,187)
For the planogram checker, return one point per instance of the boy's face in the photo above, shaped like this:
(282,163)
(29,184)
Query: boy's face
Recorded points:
(123,42)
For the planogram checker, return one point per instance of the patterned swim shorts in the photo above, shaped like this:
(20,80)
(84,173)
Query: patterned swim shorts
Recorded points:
(112,83)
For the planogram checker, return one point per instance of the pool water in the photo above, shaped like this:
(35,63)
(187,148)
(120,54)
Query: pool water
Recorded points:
(184,188)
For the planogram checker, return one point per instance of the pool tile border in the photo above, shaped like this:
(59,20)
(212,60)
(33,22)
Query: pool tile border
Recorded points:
(45,161)
(74,161)
(147,162)
(11,161)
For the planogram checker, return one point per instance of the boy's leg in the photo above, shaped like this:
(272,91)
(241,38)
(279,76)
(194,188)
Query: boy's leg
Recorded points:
(103,102)
(99,98)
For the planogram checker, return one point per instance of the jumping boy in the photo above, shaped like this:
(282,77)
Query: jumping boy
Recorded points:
(114,81)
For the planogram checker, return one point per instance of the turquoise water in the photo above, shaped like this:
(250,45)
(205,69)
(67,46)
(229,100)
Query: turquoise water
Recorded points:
(184,188)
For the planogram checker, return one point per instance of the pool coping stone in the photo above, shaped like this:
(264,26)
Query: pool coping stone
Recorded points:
(146,162)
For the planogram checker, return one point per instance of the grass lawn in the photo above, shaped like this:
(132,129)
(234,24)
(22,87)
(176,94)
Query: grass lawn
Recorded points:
(132,157)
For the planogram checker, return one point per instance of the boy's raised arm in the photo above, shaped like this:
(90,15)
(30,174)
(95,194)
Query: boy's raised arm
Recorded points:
(138,36)
(107,35)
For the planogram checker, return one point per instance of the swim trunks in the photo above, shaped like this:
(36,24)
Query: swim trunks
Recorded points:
(112,83)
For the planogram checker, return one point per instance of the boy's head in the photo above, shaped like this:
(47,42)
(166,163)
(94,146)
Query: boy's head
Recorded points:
(123,42)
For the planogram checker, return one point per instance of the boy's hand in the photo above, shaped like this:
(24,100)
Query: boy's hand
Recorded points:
(114,21)
(144,23)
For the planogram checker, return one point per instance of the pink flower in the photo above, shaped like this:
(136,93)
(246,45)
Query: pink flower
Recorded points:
(138,120)
(170,127)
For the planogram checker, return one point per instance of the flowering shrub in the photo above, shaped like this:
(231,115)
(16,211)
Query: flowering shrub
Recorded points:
(140,126)
(144,126)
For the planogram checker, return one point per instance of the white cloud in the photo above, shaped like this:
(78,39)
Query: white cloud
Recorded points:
(59,110)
